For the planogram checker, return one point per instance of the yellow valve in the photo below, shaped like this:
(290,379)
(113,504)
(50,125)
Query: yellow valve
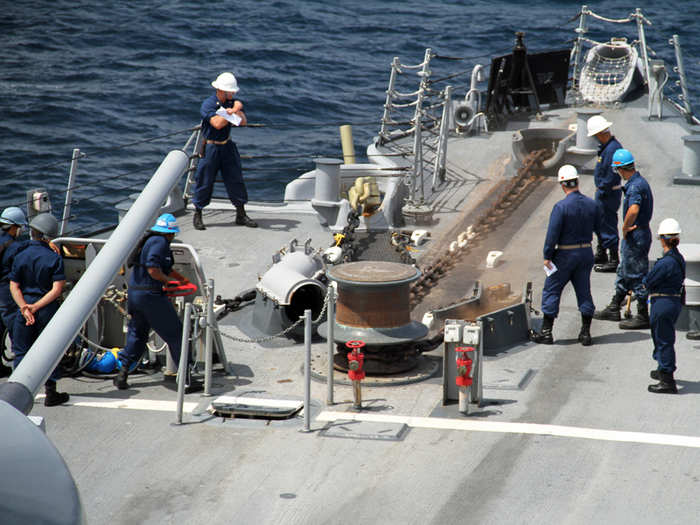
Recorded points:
(338,238)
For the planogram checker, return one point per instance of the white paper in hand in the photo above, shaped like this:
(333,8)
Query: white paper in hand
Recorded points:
(550,271)
(233,119)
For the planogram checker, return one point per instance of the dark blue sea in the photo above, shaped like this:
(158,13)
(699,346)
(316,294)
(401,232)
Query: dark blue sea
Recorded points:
(107,76)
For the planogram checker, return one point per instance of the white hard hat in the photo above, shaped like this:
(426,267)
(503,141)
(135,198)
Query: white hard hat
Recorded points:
(226,82)
(669,227)
(567,172)
(596,124)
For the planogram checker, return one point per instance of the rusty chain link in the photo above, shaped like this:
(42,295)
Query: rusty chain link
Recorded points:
(514,191)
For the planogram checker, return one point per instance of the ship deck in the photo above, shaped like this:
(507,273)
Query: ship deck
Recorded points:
(567,434)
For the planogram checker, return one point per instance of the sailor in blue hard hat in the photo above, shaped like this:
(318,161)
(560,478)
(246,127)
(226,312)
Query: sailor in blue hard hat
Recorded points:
(665,285)
(12,220)
(568,256)
(37,279)
(220,152)
(608,193)
(149,307)
(638,206)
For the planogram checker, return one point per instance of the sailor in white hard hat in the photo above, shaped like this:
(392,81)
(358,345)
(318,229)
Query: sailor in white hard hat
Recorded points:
(220,152)
(665,285)
(608,194)
(568,255)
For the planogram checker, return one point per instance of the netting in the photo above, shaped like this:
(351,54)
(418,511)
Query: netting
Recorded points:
(608,72)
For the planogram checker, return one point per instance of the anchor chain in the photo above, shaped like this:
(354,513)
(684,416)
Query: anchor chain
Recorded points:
(279,334)
(513,193)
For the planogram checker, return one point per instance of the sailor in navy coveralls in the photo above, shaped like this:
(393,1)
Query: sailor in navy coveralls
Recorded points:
(638,207)
(148,305)
(12,221)
(220,152)
(568,245)
(608,194)
(37,279)
(664,283)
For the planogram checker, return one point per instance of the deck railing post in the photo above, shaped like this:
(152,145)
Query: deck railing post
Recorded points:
(72,174)
(184,359)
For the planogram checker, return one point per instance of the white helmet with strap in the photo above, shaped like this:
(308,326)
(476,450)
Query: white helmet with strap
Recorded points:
(566,173)
(226,82)
(669,228)
(596,124)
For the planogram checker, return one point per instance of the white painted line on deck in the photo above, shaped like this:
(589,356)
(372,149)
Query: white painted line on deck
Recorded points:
(155,405)
(519,428)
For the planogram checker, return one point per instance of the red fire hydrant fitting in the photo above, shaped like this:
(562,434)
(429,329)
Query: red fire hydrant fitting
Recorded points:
(464,365)
(356,360)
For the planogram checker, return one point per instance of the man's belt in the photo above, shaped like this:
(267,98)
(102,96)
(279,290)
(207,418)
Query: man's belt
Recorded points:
(618,187)
(664,295)
(217,142)
(573,246)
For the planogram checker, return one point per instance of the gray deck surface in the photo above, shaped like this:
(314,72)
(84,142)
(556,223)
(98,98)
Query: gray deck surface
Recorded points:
(134,466)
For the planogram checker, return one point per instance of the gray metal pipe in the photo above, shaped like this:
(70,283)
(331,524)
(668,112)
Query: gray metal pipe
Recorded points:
(48,349)
(184,362)
(307,370)
(209,340)
(331,342)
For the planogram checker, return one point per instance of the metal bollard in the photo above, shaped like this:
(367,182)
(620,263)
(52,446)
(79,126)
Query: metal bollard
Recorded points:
(331,343)
(209,340)
(184,359)
(307,370)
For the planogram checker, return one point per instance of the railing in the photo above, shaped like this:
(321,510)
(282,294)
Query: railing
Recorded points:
(428,124)
(681,101)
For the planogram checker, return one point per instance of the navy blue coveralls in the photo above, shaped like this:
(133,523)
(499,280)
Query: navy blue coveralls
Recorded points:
(35,269)
(571,224)
(664,284)
(634,261)
(149,306)
(8,307)
(218,157)
(608,193)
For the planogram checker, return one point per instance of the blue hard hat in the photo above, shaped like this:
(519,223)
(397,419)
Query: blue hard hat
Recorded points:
(166,224)
(13,215)
(622,157)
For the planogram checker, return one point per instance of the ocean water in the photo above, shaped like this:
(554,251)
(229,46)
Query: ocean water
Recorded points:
(123,81)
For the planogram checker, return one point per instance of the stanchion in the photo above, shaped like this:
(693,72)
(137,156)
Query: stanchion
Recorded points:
(209,340)
(307,370)
(184,358)
(331,343)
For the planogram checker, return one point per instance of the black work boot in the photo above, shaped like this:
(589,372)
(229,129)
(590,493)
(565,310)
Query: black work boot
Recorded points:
(612,311)
(611,264)
(242,219)
(639,321)
(666,384)
(545,336)
(120,380)
(601,256)
(584,336)
(197,220)
(654,374)
(54,398)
